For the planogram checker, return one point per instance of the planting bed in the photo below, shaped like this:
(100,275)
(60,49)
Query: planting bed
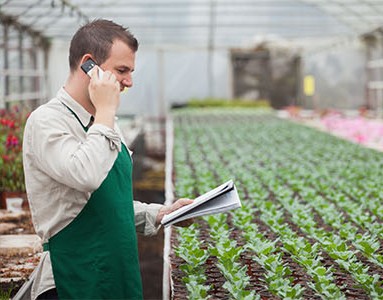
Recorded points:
(18,261)
(311,225)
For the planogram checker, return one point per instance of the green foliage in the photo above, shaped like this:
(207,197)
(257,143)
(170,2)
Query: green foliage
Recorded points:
(228,103)
(189,249)
(6,294)
(315,192)
(12,124)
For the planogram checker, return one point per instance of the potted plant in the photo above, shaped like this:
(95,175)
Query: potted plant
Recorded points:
(12,185)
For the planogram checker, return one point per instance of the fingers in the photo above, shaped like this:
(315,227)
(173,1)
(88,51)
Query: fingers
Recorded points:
(110,76)
(106,77)
(104,93)
(185,201)
(97,74)
(182,202)
(170,208)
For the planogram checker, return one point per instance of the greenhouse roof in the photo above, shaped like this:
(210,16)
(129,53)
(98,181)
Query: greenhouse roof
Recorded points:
(204,23)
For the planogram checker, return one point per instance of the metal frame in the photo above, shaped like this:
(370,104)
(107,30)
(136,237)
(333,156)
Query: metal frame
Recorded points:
(207,24)
(161,22)
(14,71)
(374,71)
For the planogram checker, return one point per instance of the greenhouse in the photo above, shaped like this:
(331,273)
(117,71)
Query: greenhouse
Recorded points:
(281,98)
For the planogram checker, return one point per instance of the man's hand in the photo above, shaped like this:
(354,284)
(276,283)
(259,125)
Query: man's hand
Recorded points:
(105,96)
(176,205)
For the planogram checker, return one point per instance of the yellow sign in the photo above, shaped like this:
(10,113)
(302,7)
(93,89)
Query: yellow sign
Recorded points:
(309,85)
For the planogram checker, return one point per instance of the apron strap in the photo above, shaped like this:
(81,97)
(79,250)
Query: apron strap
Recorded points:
(46,246)
(78,119)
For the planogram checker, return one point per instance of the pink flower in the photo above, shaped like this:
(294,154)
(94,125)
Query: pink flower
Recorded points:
(360,138)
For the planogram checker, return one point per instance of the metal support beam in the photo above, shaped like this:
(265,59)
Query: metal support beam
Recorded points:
(211,39)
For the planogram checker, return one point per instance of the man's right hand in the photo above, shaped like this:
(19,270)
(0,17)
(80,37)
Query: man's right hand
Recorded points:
(105,96)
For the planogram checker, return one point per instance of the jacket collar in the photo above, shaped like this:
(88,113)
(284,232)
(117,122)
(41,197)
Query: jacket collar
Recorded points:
(84,116)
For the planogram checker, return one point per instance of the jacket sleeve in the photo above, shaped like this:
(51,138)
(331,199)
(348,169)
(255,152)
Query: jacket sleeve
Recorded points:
(80,164)
(145,217)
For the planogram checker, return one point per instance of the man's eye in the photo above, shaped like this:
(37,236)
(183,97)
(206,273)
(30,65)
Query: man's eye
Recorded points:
(120,71)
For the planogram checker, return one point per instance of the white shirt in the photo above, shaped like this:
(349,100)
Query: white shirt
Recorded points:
(63,165)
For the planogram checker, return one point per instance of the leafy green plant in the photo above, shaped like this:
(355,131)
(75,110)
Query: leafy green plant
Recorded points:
(6,295)
(317,193)
(189,249)
(213,102)
(12,124)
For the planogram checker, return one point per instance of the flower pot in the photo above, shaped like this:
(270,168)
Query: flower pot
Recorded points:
(14,201)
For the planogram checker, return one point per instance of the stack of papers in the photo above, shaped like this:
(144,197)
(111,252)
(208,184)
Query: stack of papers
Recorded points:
(222,198)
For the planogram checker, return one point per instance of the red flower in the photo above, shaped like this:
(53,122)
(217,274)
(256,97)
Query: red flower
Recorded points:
(12,141)
(8,123)
(6,158)
(11,124)
(11,133)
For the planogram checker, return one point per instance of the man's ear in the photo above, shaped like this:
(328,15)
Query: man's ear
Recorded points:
(84,58)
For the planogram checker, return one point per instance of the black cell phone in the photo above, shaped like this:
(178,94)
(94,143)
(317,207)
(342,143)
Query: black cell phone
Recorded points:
(89,65)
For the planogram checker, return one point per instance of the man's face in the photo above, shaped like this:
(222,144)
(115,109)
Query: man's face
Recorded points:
(120,63)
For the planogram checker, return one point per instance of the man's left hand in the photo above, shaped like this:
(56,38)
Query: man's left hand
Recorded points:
(170,208)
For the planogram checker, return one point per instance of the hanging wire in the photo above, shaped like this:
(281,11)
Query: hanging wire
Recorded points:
(39,17)
(345,8)
(342,17)
(36,20)
(38,2)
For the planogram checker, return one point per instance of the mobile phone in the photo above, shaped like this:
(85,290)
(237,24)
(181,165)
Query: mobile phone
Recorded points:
(88,66)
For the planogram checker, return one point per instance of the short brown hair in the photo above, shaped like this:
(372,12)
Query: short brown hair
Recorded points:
(96,38)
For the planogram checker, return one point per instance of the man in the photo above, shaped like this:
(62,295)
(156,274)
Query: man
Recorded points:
(78,177)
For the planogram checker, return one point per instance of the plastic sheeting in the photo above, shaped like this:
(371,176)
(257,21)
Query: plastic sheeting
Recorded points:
(174,63)
(340,77)
(172,77)
(223,23)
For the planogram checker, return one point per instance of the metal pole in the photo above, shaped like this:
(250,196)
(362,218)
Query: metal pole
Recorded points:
(368,99)
(210,74)
(169,199)
(21,61)
(2,67)
(6,63)
(380,78)
(161,81)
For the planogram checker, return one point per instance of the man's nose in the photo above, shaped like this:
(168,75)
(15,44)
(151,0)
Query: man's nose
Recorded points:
(127,81)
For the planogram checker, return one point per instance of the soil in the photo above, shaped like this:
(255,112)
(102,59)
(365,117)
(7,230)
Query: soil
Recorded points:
(16,268)
(344,280)
(150,250)
(16,223)
(151,261)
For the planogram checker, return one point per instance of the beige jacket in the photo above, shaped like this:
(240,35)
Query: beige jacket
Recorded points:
(63,165)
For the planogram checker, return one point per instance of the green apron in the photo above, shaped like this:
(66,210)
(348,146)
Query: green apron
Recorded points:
(96,255)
